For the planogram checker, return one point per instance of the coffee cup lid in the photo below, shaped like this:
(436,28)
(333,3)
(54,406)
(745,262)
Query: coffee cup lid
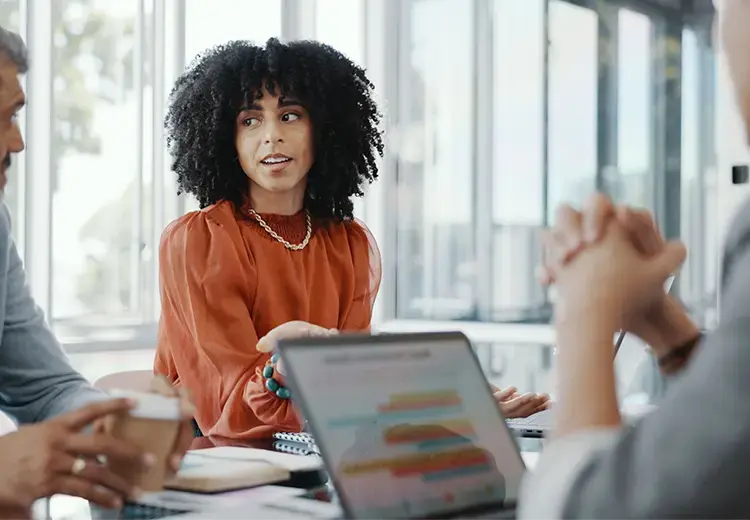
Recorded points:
(150,406)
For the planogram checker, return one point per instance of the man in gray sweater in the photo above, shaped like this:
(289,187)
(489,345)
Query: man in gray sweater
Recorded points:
(58,454)
(690,457)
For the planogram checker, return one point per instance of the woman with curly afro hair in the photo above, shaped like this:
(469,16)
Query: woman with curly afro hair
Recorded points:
(274,141)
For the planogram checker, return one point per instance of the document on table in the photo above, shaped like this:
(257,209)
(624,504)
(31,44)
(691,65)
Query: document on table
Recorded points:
(199,502)
(292,463)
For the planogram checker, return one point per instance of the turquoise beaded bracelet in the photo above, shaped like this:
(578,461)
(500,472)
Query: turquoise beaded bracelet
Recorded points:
(272,385)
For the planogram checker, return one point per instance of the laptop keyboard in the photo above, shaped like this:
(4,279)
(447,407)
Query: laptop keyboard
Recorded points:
(132,511)
(543,419)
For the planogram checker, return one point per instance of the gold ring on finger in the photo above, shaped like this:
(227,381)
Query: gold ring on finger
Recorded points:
(78,466)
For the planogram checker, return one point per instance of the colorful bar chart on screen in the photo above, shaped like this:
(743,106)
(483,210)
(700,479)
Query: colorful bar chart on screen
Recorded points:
(435,434)
(436,480)
(421,401)
(407,407)
(421,464)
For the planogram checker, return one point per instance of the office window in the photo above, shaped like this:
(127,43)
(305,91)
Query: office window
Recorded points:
(433,141)
(572,104)
(518,133)
(698,197)
(633,181)
(340,24)
(10,15)
(518,157)
(94,238)
(690,199)
(213,22)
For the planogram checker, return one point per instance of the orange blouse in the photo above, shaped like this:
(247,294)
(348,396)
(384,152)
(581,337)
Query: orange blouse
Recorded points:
(225,283)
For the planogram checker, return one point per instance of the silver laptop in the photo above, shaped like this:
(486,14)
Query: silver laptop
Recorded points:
(540,424)
(406,424)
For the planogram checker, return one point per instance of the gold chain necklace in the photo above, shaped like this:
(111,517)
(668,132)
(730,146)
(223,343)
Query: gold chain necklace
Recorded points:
(285,243)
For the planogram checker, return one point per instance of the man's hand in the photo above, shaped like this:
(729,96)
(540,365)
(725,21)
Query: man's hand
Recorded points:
(515,405)
(665,323)
(56,457)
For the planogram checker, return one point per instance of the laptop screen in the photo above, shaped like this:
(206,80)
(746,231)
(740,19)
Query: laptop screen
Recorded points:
(406,423)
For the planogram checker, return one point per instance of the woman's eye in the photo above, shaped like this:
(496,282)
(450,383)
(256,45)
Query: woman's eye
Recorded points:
(289,116)
(250,121)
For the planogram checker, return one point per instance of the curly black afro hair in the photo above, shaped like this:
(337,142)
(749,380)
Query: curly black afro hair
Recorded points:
(200,122)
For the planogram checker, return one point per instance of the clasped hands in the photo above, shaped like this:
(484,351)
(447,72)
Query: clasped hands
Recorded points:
(609,265)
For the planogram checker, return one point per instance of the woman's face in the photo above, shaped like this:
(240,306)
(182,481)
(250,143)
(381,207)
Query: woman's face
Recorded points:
(734,21)
(274,143)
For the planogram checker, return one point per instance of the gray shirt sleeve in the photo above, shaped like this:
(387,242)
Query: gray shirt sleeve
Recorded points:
(690,457)
(36,379)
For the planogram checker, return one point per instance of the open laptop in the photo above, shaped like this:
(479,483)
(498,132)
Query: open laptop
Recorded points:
(406,424)
(540,424)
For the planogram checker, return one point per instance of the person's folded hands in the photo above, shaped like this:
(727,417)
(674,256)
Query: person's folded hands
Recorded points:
(578,229)
(608,278)
(664,323)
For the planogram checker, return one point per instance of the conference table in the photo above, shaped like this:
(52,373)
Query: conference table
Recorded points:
(70,507)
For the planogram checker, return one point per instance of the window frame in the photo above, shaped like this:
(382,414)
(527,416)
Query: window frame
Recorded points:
(665,129)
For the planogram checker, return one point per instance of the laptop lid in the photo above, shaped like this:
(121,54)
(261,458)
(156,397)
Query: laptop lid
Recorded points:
(406,423)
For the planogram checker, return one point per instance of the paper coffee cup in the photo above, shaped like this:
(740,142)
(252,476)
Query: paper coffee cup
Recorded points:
(152,424)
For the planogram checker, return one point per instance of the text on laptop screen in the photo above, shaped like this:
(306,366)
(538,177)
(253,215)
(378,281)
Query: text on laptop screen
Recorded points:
(408,429)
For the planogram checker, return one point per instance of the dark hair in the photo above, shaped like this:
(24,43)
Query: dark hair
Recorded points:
(206,98)
(12,47)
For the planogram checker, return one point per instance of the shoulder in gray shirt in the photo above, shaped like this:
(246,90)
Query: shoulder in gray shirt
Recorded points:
(36,379)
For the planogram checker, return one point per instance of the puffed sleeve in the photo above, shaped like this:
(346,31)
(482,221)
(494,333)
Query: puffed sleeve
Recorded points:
(368,271)
(208,284)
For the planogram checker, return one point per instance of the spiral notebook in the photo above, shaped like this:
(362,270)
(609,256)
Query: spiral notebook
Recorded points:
(297,438)
(301,443)
(295,448)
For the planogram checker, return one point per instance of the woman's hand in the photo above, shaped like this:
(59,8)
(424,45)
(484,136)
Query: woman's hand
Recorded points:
(290,330)
(515,405)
